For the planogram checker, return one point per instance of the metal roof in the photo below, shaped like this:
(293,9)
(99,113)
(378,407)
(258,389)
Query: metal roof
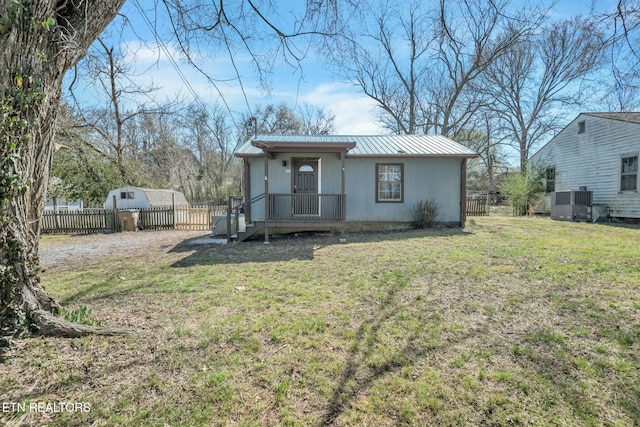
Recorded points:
(370,146)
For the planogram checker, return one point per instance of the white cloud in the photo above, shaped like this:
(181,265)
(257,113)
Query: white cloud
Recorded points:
(354,111)
(151,63)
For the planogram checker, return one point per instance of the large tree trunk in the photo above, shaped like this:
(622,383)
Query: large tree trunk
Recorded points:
(35,52)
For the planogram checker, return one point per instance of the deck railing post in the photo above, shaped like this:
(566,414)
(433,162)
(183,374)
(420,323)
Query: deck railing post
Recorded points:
(173,206)
(116,223)
(229,210)
(237,215)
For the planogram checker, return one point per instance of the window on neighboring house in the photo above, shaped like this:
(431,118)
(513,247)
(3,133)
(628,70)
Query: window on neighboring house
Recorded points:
(582,127)
(629,174)
(389,182)
(550,180)
(126,194)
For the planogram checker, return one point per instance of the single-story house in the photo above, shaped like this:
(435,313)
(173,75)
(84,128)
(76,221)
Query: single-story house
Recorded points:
(294,182)
(597,152)
(130,197)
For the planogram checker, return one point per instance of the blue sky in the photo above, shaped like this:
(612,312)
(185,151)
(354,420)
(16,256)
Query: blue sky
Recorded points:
(355,113)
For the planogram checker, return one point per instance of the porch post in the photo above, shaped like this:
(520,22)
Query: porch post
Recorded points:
(266,196)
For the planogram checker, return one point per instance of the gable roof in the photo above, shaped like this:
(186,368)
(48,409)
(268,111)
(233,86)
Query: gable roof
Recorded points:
(633,117)
(361,145)
(629,117)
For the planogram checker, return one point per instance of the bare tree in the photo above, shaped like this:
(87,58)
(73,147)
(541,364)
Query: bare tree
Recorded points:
(277,119)
(82,172)
(39,44)
(490,148)
(537,77)
(317,121)
(390,61)
(418,62)
(111,74)
(154,142)
(213,141)
(281,119)
(622,32)
(473,37)
(43,39)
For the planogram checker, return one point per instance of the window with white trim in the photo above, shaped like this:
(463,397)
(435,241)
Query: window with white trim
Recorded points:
(550,179)
(389,182)
(629,174)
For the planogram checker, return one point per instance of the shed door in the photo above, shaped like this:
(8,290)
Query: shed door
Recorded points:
(305,187)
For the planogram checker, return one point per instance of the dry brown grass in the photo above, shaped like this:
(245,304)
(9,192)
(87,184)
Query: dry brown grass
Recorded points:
(511,321)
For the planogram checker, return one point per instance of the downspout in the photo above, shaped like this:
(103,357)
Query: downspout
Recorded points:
(463,192)
(247,190)
(266,196)
(343,211)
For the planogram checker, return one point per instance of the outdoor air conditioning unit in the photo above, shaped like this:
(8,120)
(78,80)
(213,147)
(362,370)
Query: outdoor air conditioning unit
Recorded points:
(574,205)
(219,224)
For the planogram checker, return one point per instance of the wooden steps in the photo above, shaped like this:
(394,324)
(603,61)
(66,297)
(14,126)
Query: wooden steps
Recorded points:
(250,230)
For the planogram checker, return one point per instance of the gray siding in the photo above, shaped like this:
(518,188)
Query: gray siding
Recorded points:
(593,159)
(427,178)
(280,176)
(424,178)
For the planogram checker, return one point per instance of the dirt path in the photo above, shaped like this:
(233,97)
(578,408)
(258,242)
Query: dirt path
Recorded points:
(72,251)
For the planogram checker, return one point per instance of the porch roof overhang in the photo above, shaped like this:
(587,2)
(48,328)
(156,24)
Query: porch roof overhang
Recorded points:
(302,147)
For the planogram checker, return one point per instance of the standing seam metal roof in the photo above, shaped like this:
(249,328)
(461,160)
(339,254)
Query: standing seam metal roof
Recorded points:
(372,145)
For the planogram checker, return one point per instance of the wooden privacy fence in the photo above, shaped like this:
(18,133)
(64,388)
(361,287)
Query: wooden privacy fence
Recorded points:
(156,218)
(93,221)
(477,206)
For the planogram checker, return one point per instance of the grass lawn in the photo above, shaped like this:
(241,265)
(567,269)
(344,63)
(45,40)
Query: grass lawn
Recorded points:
(512,321)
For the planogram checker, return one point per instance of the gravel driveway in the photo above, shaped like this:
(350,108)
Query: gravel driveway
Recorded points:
(73,251)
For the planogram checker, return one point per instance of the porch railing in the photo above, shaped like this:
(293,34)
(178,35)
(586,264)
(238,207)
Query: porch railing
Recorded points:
(306,207)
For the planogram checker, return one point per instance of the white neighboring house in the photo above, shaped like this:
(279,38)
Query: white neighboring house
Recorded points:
(60,204)
(130,197)
(599,151)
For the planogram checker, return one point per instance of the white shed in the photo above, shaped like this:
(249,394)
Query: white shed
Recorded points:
(129,197)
